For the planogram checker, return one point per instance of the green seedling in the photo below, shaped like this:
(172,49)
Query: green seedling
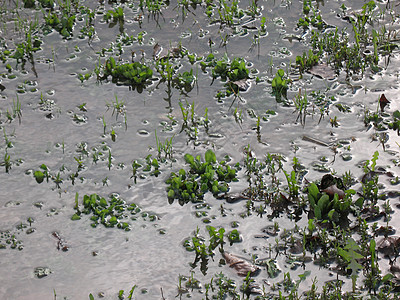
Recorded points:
(135,167)
(280,85)
(42,3)
(192,122)
(82,107)
(166,69)
(325,208)
(351,253)
(221,287)
(301,104)
(113,135)
(16,111)
(334,122)
(395,124)
(165,147)
(293,183)
(234,237)
(109,159)
(116,15)
(84,77)
(104,125)
(306,61)
(57,180)
(81,166)
(119,107)
(7,162)
(152,163)
(185,81)
(152,6)
(31,44)
(306,6)
(370,186)
(234,71)
(225,13)
(41,174)
(342,52)
(8,142)
(63,21)
(199,246)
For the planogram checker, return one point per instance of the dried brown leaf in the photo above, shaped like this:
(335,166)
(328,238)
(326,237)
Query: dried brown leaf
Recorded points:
(241,266)
(323,71)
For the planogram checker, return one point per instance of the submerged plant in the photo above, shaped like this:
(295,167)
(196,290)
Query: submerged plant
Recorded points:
(306,61)
(116,15)
(165,147)
(191,185)
(114,212)
(62,21)
(198,244)
(135,75)
(280,85)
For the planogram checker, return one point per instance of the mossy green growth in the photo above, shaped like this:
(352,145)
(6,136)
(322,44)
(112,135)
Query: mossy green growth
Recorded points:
(114,212)
(133,74)
(203,176)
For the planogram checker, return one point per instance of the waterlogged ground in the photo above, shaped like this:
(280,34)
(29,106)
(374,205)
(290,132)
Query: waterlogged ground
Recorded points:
(70,131)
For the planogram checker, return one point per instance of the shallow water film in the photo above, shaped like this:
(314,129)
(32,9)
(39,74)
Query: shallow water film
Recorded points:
(199,149)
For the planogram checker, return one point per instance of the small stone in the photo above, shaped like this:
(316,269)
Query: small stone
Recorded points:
(41,272)
(346,156)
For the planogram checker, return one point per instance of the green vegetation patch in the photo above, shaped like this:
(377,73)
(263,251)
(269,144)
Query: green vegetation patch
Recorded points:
(134,74)
(203,176)
(114,212)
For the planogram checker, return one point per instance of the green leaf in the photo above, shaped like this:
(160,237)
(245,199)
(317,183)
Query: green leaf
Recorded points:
(304,275)
(396,114)
(323,203)
(330,214)
(352,247)
(313,193)
(171,194)
(344,254)
(354,266)
(387,277)
(75,217)
(91,297)
(39,176)
(189,159)
(359,202)
(210,157)
(103,202)
(317,212)
(113,220)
